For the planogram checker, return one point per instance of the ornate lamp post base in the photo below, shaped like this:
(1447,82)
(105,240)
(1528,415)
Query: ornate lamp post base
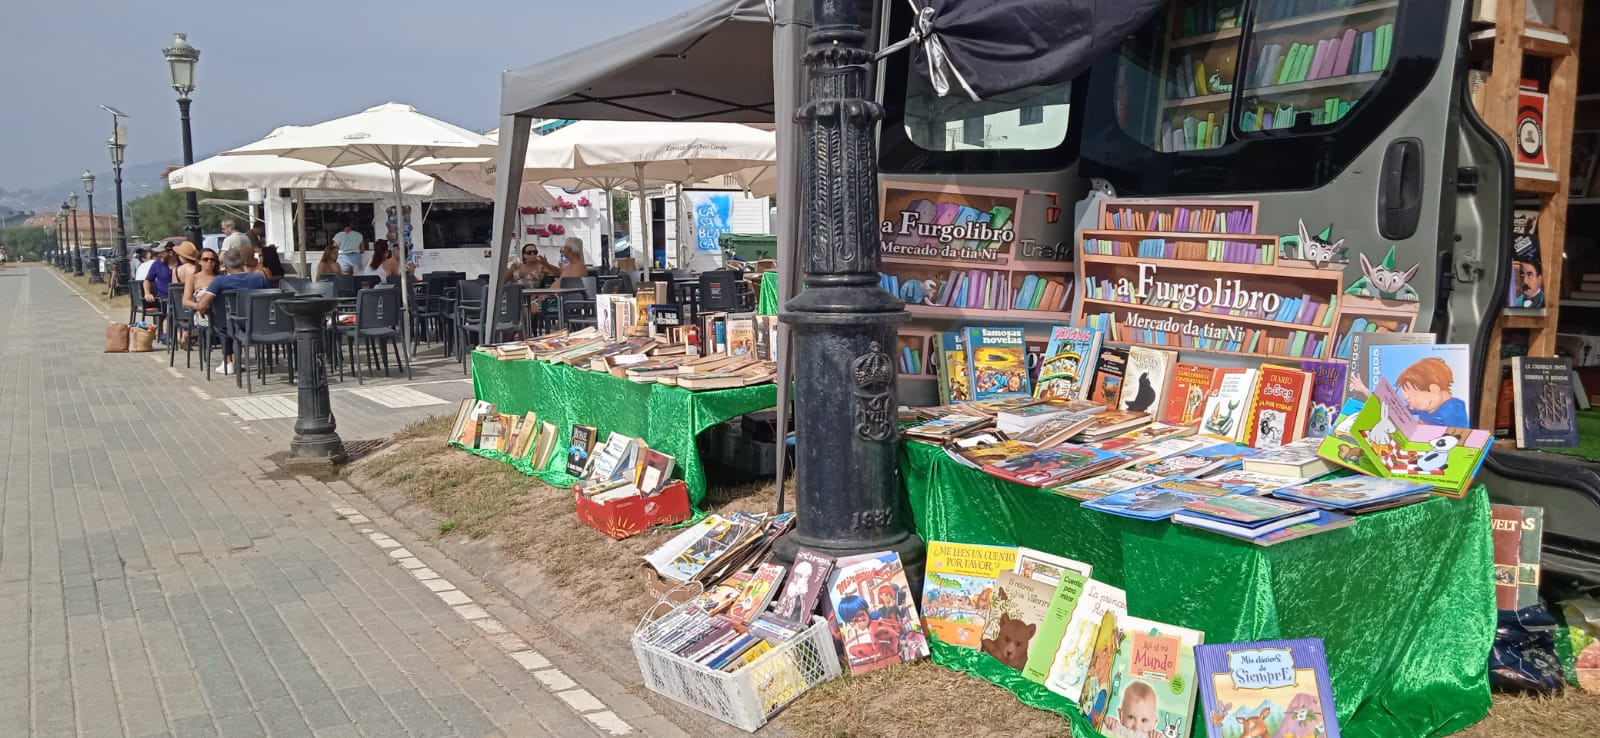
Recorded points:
(315,438)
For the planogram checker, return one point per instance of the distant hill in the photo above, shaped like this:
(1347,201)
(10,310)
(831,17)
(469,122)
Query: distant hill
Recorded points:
(137,180)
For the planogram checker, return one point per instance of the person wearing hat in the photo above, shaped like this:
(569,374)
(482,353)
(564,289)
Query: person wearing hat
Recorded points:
(188,262)
(141,264)
(158,279)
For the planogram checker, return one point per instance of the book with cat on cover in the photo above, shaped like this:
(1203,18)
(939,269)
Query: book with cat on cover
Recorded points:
(1069,361)
(1518,533)
(1278,407)
(1267,688)
(954,385)
(1146,687)
(1070,663)
(1053,628)
(997,363)
(578,450)
(807,579)
(1186,398)
(1327,394)
(757,593)
(1105,384)
(1225,411)
(1147,379)
(869,604)
(1019,606)
(959,587)
(1542,392)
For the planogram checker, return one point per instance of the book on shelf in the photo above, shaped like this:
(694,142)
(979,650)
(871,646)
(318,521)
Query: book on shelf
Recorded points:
(1542,398)
(1278,407)
(958,585)
(1047,567)
(1159,500)
(1146,379)
(1141,678)
(1278,688)
(1017,609)
(1186,398)
(1518,532)
(1068,666)
(1110,366)
(869,599)
(1155,215)
(1069,361)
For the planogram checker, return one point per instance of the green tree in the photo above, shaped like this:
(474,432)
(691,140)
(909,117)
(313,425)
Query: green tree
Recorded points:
(621,202)
(24,243)
(160,214)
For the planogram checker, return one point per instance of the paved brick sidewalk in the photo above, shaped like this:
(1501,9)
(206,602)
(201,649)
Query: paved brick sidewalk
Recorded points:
(159,577)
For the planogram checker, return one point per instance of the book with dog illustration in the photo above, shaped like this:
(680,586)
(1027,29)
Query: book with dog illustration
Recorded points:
(1146,687)
(958,589)
(1070,662)
(1401,447)
(1019,606)
(1267,688)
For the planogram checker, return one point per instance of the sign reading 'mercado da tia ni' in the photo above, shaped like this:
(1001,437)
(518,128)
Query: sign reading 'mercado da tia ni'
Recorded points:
(964,223)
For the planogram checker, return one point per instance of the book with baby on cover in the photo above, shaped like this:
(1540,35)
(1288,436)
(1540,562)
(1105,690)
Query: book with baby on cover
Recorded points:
(1141,678)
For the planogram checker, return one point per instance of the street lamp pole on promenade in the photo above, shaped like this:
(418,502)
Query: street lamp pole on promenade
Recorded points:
(181,59)
(94,241)
(77,243)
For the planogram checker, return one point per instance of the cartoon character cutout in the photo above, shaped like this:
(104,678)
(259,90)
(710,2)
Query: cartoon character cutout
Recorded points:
(1385,281)
(1320,249)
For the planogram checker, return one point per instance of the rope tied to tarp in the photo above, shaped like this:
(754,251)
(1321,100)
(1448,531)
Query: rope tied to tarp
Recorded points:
(940,68)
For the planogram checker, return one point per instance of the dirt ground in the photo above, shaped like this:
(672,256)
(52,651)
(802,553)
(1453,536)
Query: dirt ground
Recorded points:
(487,501)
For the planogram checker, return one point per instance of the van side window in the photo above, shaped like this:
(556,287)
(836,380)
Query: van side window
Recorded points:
(1306,69)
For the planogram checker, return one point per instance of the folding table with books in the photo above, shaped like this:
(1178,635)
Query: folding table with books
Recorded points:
(1404,599)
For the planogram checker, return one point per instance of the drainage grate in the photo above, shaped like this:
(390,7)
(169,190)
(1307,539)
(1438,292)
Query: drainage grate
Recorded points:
(357,449)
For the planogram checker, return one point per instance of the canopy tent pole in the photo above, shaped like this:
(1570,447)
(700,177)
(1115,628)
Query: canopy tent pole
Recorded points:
(644,215)
(789,31)
(405,284)
(300,230)
(510,157)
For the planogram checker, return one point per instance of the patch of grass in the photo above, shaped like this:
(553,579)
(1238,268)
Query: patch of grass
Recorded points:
(1573,714)
(433,426)
(446,526)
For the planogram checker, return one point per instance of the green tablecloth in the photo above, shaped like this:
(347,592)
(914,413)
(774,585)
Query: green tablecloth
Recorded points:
(667,418)
(767,301)
(1404,599)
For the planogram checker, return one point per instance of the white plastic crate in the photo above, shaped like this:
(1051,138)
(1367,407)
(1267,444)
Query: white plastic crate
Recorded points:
(749,696)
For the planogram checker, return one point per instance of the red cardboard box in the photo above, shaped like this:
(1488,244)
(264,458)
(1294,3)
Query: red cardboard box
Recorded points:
(629,517)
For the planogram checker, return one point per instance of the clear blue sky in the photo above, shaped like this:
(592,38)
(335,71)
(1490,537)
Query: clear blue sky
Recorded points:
(263,65)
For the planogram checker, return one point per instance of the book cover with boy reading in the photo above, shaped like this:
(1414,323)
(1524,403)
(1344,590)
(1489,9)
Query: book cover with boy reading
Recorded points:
(1068,361)
(1105,385)
(1070,662)
(1267,688)
(1434,380)
(952,369)
(1278,408)
(1402,447)
(958,589)
(1361,344)
(870,609)
(1019,606)
(1229,403)
(1149,688)
(1146,380)
(1186,399)
(1327,394)
(997,363)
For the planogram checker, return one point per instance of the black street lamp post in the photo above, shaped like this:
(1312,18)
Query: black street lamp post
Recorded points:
(117,145)
(848,499)
(94,241)
(66,246)
(181,59)
(77,243)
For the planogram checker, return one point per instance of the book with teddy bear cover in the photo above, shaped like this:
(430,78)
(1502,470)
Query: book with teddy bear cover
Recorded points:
(1019,606)
(1141,678)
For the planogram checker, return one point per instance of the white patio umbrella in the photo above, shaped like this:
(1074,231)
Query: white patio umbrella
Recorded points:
(393,135)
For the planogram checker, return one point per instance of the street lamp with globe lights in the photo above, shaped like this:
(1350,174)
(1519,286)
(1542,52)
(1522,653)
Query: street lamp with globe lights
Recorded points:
(181,59)
(94,240)
(77,243)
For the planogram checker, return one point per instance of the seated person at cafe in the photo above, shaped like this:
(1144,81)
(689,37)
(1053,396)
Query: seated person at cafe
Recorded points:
(237,278)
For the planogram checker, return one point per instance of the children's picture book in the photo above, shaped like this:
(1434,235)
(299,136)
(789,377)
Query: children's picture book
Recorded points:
(1278,408)
(1249,510)
(871,608)
(1296,459)
(1053,629)
(1018,608)
(1259,483)
(1056,429)
(1159,500)
(1401,447)
(807,579)
(1070,663)
(1349,492)
(1053,466)
(1200,461)
(952,369)
(1542,397)
(1046,567)
(1518,534)
(1267,689)
(1324,522)
(997,363)
(1110,422)
(1360,357)
(1148,688)
(1151,433)
(579,448)
(1186,398)
(1105,385)
(1147,379)
(1229,404)
(1434,380)
(958,589)
(1068,362)
(757,593)
(1109,483)
(1327,394)
(947,427)
(1341,447)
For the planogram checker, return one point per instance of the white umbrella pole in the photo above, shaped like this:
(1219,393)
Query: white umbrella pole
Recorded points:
(300,230)
(405,287)
(644,215)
